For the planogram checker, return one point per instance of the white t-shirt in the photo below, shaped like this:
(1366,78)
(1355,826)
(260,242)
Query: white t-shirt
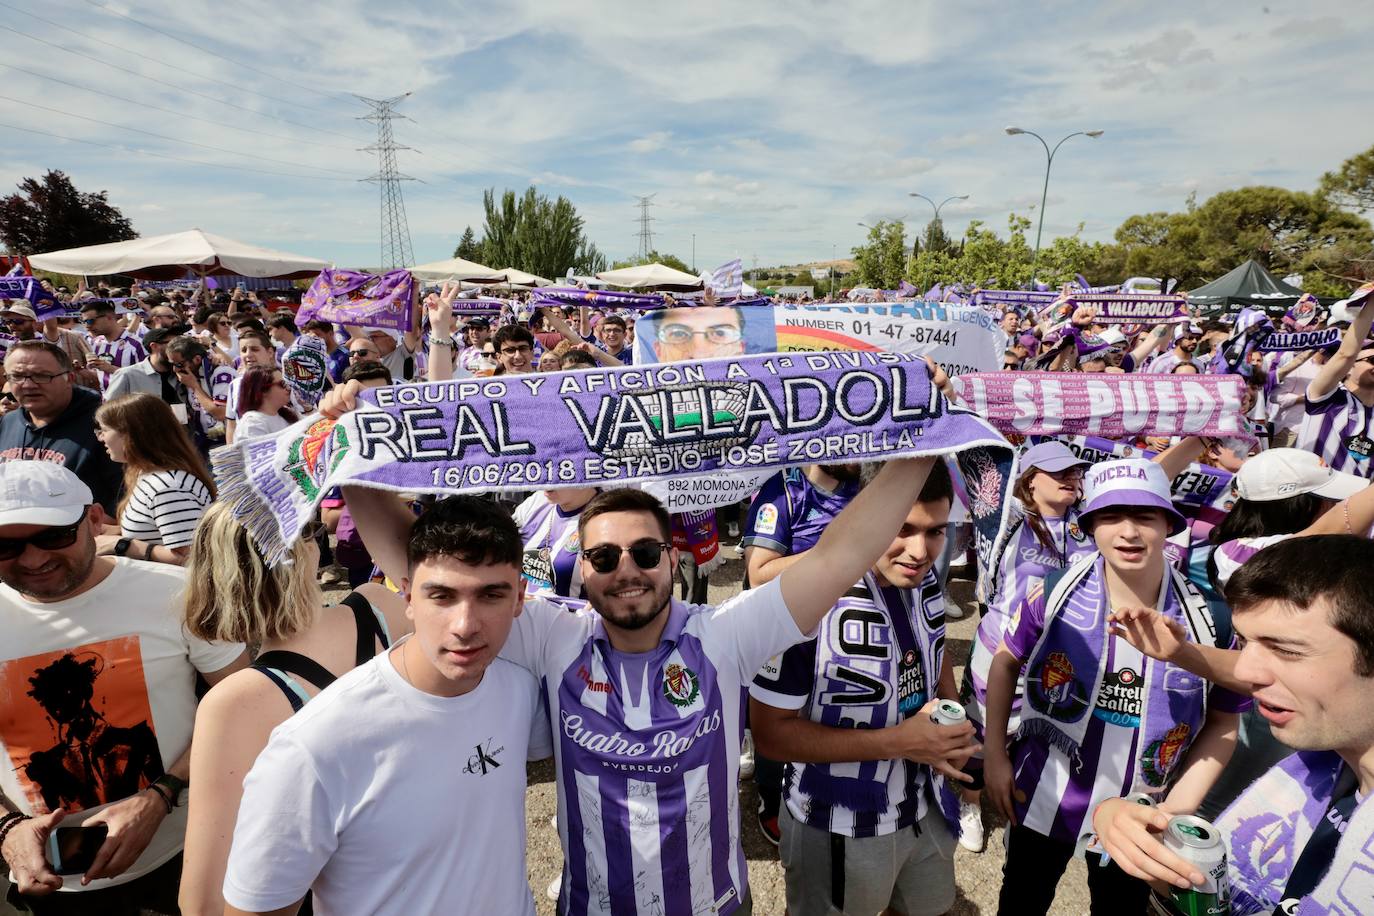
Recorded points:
(256,423)
(123,645)
(165,508)
(384,799)
(647,747)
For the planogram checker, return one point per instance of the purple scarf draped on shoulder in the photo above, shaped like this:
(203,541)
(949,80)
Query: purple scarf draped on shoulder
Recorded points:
(1066,668)
(1269,825)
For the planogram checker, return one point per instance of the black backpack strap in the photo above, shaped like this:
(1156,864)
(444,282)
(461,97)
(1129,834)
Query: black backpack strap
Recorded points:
(369,627)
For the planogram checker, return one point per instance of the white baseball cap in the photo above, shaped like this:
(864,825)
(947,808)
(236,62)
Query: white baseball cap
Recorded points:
(41,493)
(1279,473)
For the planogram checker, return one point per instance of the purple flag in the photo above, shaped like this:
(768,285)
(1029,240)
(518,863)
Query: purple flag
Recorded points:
(44,303)
(1125,308)
(351,297)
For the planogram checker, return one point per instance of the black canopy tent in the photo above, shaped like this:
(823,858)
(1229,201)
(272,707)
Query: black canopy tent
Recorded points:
(1247,286)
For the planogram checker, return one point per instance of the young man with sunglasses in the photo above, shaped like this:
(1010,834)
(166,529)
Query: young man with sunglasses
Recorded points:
(646,695)
(153,375)
(97,714)
(56,420)
(1338,423)
(207,386)
(112,346)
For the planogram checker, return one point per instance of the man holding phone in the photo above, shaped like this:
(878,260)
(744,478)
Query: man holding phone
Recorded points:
(97,705)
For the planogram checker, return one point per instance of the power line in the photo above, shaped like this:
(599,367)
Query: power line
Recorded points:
(191,44)
(395,234)
(179,114)
(119,47)
(209,165)
(154,79)
(138,130)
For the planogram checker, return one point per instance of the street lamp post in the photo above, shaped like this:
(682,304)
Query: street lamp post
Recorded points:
(834,262)
(1044,194)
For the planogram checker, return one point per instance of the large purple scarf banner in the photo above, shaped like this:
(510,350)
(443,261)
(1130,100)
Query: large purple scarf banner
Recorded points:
(44,303)
(1300,340)
(605,427)
(1111,406)
(1122,308)
(1023,298)
(365,300)
(644,302)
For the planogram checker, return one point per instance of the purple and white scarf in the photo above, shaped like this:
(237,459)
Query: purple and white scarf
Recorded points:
(1269,825)
(1066,669)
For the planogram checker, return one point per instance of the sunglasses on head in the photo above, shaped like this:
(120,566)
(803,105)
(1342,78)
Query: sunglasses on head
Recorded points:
(47,539)
(605,558)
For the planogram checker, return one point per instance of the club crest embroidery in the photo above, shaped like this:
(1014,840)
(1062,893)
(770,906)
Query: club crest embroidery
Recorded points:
(315,454)
(1054,691)
(1056,677)
(680,686)
(1160,756)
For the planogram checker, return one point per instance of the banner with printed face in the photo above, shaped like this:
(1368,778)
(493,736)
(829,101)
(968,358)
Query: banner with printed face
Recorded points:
(600,427)
(960,339)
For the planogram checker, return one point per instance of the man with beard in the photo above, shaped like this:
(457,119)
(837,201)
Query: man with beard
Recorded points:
(646,695)
(97,677)
(785,520)
(1339,406)
(1185,346)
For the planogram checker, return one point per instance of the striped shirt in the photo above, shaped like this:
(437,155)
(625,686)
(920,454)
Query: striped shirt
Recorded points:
(1023,563)
(647,750)
(124,350)
(1061,792)
(164,508)
(1337,429)
(551,547)
(855,674)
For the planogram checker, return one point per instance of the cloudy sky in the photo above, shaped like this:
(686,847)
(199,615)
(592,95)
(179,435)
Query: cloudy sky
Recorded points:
(768,130)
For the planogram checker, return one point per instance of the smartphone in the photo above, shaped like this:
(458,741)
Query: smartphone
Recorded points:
(71,850)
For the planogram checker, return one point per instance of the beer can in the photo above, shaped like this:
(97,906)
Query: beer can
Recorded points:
(1197,841)
(948,712)
(1140,798)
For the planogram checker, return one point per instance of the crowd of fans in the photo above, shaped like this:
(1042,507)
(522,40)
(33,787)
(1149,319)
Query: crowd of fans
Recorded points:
(218,738)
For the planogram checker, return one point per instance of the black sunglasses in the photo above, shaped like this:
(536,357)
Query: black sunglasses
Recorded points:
(646,554)
(47,539)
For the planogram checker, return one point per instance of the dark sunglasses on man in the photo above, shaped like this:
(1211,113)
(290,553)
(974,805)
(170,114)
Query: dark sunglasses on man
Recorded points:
(46,539)
(606,557)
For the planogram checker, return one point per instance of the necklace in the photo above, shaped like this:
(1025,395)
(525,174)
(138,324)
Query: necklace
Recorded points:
(405,667)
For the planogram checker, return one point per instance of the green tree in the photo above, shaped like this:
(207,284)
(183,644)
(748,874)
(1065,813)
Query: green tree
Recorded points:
(468,248)
(1164,245)
(50,214)
(1352,185)
(535,234)
(881,262)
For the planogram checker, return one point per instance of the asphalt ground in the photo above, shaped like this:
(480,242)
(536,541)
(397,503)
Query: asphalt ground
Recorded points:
(978,875)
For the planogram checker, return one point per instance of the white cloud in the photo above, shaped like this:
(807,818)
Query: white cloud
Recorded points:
(651,143)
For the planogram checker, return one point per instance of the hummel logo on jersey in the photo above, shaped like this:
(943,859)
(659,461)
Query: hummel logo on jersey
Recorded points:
(484,761)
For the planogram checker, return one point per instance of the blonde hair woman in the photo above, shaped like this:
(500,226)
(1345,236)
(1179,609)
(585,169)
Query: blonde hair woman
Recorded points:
(305,647)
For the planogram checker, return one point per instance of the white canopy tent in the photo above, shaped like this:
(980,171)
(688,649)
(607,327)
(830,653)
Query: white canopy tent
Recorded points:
(457,269)
(515,277)
(169,257)
(651,276)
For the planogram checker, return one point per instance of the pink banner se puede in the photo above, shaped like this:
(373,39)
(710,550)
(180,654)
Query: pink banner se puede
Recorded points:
(351,297)
(1110,406)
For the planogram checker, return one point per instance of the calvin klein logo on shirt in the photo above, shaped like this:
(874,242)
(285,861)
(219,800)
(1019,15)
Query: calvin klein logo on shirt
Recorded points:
(484,761)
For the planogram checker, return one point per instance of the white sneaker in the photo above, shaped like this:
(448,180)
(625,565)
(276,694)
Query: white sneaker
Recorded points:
(554,888)
(971,826)
(952,609)
(746,756)
(732,529)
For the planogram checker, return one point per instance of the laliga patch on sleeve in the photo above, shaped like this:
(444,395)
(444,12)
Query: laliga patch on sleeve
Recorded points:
(766,519)
(772,669)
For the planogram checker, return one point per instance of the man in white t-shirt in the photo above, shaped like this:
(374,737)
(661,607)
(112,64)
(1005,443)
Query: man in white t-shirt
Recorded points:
(400,788)
(647,694)
(97,704)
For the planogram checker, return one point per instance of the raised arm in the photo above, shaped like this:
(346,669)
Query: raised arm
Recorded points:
(562,327)
(853,541)
(1330,376)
